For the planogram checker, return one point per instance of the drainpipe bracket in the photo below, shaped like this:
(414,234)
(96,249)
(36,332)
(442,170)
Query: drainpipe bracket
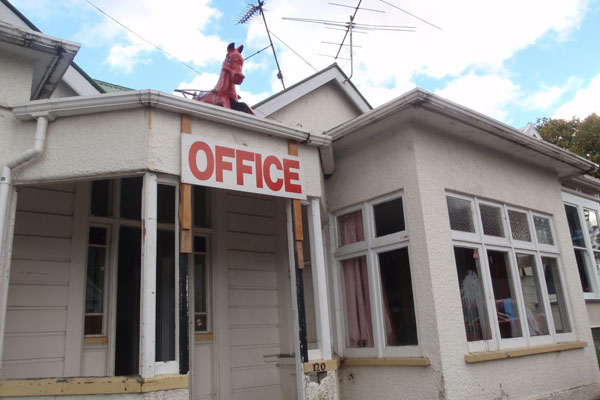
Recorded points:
(48,114)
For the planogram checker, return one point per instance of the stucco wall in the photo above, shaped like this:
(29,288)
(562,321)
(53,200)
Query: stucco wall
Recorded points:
(425,164)
(364,171)
(444,163)
(319,110)
(15,77)
(84,146)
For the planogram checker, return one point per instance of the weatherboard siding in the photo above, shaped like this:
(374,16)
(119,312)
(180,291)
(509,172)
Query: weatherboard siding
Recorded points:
(36,318)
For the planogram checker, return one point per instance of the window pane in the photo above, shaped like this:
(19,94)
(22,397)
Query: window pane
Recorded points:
(165,204)
(201,206)
(555,292)
(491,218)
(389,217)
(532,295)
(477,326)
(358,303)
(101,198)
(398,304)
(97,236)
(461,217)
(350,228)
(131,198)
(165,296)
(94,294)
(200,292)
(574,226)
(543,230)
(93,325)
(584,271)
(504,294)
(519,226)
(199,244)
(591,218)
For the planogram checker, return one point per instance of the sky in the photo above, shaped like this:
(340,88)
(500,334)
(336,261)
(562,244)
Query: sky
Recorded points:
(515,61)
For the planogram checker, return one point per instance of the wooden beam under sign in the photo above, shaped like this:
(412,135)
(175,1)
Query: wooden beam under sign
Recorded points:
(185,202)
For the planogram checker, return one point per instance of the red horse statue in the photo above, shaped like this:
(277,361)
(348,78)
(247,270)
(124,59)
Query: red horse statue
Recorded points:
(224,93)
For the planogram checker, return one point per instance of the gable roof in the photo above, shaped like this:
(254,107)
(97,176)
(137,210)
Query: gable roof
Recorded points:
(332,73)
(74,76)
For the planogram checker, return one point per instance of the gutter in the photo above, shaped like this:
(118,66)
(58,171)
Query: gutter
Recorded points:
(72,106)
(5,188)
(419,98)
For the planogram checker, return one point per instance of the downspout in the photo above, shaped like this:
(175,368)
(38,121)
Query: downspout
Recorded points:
(5,188)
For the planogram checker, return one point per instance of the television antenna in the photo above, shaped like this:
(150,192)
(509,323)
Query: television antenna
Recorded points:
(251,12)
(351,27)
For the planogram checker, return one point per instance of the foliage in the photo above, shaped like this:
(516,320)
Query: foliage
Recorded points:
(578,136)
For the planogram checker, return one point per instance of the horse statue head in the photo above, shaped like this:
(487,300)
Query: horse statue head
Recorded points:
(224,93)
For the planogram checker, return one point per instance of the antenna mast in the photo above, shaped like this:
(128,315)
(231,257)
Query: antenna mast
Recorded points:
(251,12)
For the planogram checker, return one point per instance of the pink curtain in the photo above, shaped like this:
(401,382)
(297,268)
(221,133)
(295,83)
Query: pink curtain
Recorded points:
(358,304)
(350,228)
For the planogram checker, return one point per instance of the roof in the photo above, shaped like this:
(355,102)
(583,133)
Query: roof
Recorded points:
(332,73)
(424,107)
(31,26)
(111,87)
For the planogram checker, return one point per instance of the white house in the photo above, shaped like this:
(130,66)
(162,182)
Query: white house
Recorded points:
(158,247)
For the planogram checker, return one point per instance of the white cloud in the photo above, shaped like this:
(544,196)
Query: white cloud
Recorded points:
(488,94)
(176,26)
(475,36)
(548,96)
(585,102)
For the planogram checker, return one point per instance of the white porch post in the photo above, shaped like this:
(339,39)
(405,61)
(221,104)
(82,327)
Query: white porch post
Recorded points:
(148,278)
(5,259)
(319,276)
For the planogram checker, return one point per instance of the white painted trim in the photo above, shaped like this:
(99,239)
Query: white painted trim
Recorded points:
(296,333)
(292,94)
(78,83)
(81,105)
(148,277)
(319,280)
(5,262)
(77,273)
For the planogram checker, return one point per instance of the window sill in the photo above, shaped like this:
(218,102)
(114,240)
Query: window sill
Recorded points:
(89,340)
(203,337)
(89,386)
(521,352)
(392,361)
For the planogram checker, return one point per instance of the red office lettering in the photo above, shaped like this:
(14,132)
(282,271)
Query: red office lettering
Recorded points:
(274,185)
(193,162)
(259,170)
(240,167)
(221,164)
(289,175)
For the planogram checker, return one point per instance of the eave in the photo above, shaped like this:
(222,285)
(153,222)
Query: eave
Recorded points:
(81,105)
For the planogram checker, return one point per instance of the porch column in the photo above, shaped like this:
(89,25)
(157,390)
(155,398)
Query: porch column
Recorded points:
(5,260)
(319,276)
(148,278)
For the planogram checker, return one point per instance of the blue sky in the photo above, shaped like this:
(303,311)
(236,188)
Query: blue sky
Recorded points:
(512,60)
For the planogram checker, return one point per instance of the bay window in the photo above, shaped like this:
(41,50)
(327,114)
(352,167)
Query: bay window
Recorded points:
(375,284)
(509,275)
(583,217)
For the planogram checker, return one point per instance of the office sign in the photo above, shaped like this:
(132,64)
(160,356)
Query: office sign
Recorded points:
(227,166)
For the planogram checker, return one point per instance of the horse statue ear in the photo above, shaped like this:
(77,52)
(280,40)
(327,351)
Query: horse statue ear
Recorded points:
(240,49)
(231,46)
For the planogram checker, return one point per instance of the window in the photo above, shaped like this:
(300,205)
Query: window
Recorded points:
(375,281)
(96,281)
(200,271)
(583,218)
(509,275)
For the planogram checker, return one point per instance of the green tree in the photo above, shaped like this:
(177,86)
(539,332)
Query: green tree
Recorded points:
(581,137)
